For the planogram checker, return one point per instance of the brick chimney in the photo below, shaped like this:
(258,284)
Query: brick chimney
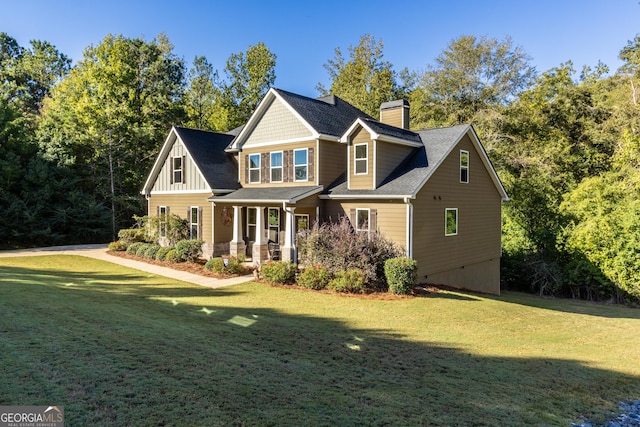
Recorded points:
(395,113)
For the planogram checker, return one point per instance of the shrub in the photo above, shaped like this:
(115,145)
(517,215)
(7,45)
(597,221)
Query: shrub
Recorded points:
(216,265)
(189,250)
(315,277)
(151,251)
(338,247)
(279,271)
(133,248)
(401,274)
(131,235)
(235,264)
(142,249)
(348,281)
(162,252)
(172,256)
(117,246)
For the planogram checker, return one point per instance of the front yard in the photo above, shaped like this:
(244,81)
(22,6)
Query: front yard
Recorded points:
(116,346)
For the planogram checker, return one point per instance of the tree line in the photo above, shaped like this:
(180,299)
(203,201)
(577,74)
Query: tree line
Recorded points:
(77,141)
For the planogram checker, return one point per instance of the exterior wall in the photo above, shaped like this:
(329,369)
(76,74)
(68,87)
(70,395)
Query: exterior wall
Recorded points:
(387,157)
(179,204)
(287,164)
(393,117)
(361,182)
(391,216)
(332,161)
(470,259)
(277,124)
(192,179)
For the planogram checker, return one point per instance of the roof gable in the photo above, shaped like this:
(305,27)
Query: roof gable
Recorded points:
(383,132)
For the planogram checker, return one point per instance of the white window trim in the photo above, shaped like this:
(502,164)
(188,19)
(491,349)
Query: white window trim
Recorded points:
(180,169)
(252,224)
(302,216)
(272,168)
(191,223)
(254,169)
(306,165)
(464,167)
(365,159)
(162,221)
(368,229)
(269,226)
(446,211)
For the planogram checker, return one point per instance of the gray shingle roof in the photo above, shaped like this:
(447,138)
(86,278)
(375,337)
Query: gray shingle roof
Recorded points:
(207,150)
(269,194)
(328,115)
(392,131)
(413,172)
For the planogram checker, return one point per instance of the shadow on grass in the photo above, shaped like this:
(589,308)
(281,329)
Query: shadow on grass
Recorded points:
(113,359)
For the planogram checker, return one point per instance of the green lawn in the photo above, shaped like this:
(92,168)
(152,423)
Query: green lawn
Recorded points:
(119,347)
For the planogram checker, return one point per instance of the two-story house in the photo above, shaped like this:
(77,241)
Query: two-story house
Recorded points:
(300,160)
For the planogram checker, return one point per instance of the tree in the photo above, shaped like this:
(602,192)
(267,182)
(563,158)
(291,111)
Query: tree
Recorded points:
(248,78)
(202,96)
(108,118)
(470,76)
(365,80)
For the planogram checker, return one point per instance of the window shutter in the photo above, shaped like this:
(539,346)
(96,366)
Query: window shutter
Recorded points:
(200,223)
(171,169)
(310,163)
(352,218)
(264,169)
(287,160)
(157,211)
(167,212)
(373,220)
(246,168)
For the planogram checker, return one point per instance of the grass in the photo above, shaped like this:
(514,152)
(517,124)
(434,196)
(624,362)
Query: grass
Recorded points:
(119,347)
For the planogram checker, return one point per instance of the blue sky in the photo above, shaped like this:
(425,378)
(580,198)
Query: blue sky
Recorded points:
(304,34)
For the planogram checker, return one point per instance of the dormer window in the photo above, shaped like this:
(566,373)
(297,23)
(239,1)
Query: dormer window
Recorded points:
(254,168)
(361,159)
(464,166)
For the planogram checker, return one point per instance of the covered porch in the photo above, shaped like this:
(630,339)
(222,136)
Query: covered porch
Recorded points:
(267,220)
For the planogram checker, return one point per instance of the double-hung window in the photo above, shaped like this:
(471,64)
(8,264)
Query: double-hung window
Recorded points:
(274,225)
(464,166)
(361,159)
(254,168)
(194,222)
(251,224)
(162,221)
(300,164)
(362,220)
(177,170)
(276,166)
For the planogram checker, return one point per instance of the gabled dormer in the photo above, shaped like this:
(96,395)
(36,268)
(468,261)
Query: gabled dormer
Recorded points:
(376,148)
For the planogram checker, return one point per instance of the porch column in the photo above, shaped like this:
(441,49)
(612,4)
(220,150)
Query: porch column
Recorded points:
(260,251)
(288,251)
(237,245)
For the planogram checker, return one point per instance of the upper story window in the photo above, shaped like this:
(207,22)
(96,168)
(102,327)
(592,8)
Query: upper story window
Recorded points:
(254,168)
(276,166)
(300,164)
(177,168)
(451,221)
(361,158)
(464,166)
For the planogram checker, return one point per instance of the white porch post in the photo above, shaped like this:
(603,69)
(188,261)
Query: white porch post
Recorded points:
(260,250)
(289,248)
(237,245)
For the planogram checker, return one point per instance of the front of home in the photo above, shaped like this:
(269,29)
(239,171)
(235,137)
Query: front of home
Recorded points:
(300,160)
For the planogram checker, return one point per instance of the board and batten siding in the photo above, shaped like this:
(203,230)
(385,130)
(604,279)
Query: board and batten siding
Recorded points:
(192,179)
(277,124)
(363,181)
(470,259)
(391,216)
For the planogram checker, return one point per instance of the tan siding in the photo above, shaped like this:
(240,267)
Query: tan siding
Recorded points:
(479,219)
(361,182)
(279,147)
(278,123)
(180,203)
(391,216)
(193,180)
(392,117)
(388,157)
(332,161)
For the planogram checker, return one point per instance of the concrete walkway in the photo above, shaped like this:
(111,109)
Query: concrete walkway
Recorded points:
(100,252)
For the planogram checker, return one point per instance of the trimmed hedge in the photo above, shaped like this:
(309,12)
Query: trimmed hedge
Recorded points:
(162,252)
(348,281)
(132,249)
(279,271)
(401,274)
(316,277)
(189,250)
